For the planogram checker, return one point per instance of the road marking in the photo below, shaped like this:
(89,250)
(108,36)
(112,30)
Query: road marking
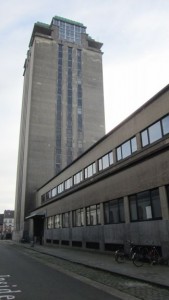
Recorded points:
(7,293)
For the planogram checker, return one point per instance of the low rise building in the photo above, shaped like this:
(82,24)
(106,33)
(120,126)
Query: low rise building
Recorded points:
(8,223)
(117,190)
(1,223)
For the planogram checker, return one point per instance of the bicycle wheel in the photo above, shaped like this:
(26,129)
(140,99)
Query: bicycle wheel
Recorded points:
(138,259)
(119,256)
(154,257)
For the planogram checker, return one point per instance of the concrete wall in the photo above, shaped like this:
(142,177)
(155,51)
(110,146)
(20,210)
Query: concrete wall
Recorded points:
(145,169)
(37,150)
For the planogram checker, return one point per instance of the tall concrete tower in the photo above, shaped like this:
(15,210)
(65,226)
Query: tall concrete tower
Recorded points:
(62,109)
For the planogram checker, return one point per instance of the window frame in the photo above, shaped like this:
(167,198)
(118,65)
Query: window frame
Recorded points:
(120,153)
(109,204)
(101,166)
(76,220)
(137,205)
(89,215)
(148,134)
(60,221)
(50,222)
(90,170)
(68,183)
(66,219)
(80,179)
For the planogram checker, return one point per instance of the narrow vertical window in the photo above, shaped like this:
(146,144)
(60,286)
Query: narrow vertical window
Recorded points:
(69,129)
(79,102)
(59,110)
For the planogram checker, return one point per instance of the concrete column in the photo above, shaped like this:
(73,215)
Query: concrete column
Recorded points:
(83,238)
(101,214)
(114,156)
(138,139)
(164,203)
(70,227)
(102,244)
(70,219)
(126,210)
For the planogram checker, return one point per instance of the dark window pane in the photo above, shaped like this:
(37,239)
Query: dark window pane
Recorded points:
(87,216)
(121,210)
(133,208)
(156,207)
(98,213)
(115,212)
(144,206)
(93,220)
(111,220)
(106,213)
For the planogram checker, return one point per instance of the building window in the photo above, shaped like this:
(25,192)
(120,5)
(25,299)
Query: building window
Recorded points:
(43,198)
(69,128)
(126,149)
(69,31)
(60,188)
(114,211)
(59,109)
(155,132)
(54,192)
(78,217)
(50,222)
(78,177)
(48,195)
(106,161)
(66,220)
(145,206)
(68,183)
(90,170)
(79,101)
(93,215)
(58,221)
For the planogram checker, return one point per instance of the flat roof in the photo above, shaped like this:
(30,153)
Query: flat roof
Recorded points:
(68,21)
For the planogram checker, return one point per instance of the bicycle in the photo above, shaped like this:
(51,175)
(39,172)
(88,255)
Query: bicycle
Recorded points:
(121,255)
(146,254)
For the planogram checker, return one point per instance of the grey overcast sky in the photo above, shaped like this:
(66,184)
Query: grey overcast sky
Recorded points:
(135,34)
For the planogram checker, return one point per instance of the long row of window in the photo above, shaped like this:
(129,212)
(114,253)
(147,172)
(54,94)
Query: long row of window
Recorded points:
(149,135)
(143,206)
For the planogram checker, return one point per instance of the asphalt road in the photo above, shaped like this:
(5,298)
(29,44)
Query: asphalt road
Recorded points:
(22,277)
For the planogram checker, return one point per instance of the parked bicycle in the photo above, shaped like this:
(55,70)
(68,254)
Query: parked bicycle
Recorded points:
(121,255)
(146,254)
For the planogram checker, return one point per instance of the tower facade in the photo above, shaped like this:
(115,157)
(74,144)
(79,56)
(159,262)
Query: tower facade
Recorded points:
(62,108)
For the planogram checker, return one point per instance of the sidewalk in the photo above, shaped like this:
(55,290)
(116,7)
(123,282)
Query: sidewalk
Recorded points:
(157,274)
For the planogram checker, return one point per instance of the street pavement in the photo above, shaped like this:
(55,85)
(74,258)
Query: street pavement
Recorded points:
(23,277)
(154,274)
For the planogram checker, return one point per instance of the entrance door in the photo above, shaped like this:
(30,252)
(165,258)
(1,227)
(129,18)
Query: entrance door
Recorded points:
(39,228)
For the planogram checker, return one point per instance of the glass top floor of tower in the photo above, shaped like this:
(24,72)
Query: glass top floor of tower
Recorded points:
(65,30)
(69,30)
